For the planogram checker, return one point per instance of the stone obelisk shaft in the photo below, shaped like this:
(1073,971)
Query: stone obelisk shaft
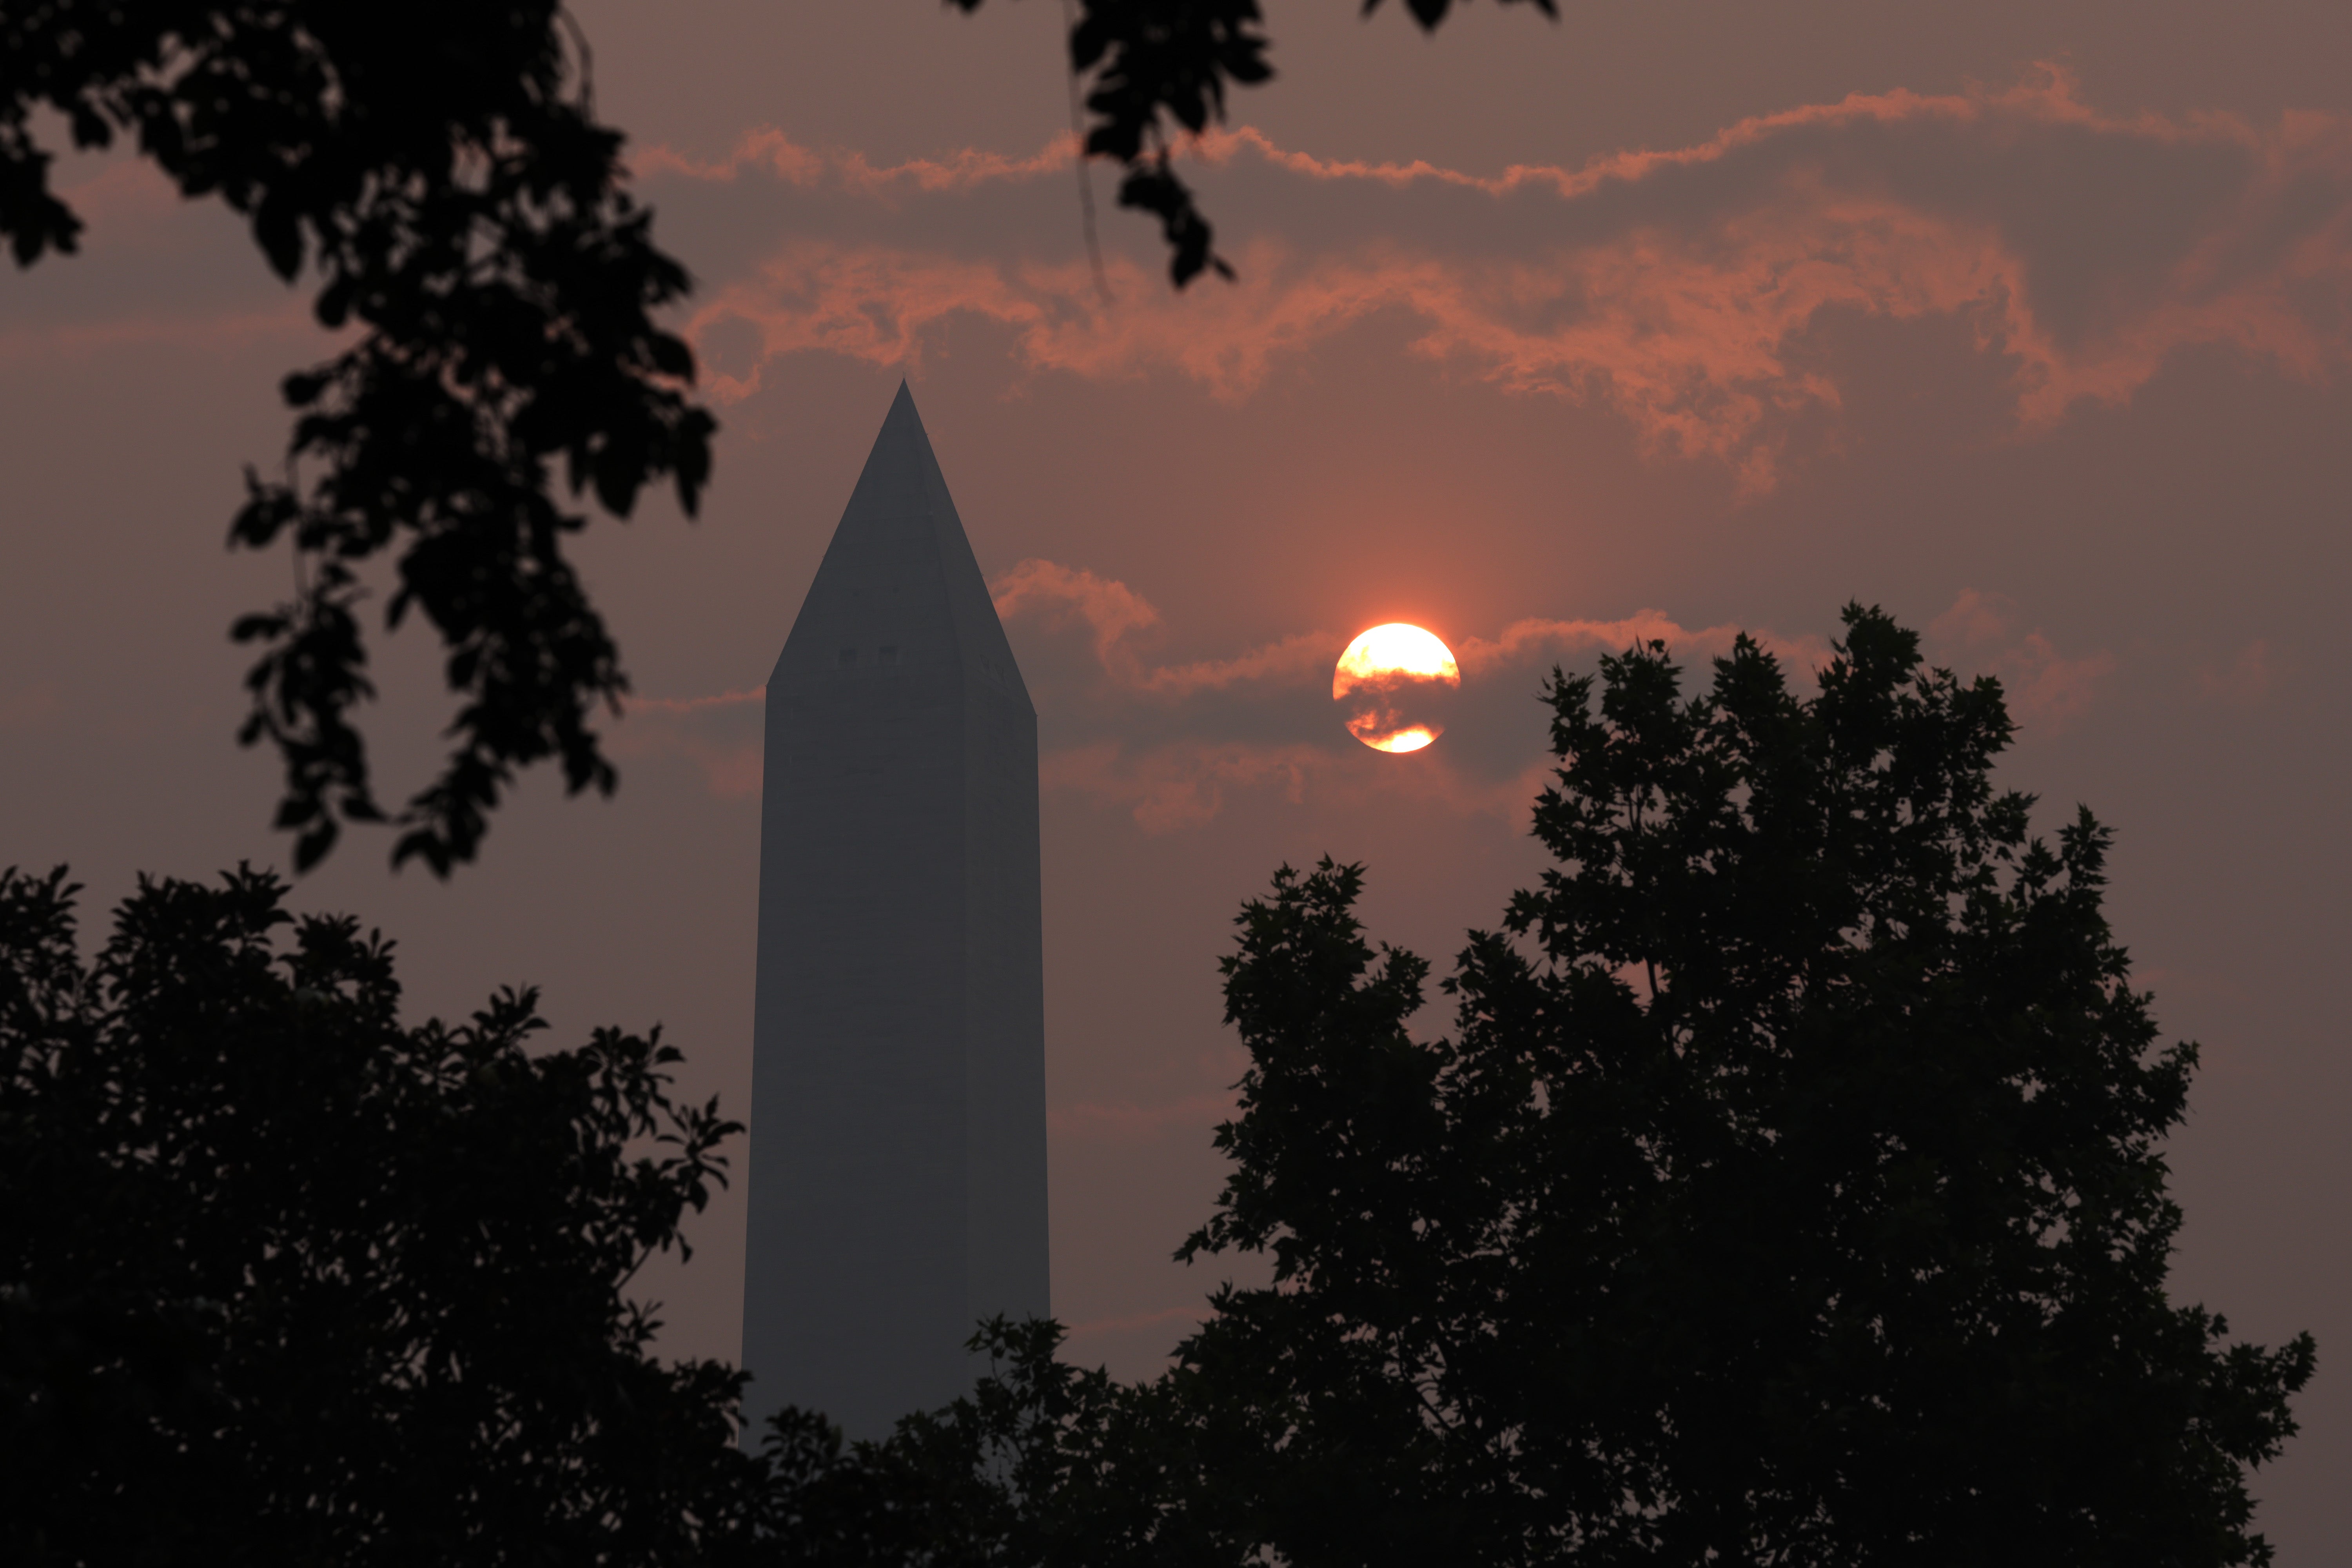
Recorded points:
(897,1132)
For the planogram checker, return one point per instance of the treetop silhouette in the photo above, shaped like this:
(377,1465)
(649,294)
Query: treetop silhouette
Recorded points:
(1792,1188)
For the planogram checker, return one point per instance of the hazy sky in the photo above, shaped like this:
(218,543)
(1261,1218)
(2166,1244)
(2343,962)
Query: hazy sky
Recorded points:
(2029,322)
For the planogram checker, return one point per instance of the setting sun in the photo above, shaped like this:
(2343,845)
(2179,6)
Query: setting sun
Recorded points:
(1393,679)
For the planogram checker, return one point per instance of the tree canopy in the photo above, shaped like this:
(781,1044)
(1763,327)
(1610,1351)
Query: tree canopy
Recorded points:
(284,1280)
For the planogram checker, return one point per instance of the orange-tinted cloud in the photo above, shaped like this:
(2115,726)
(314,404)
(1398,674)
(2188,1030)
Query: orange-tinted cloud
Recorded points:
(1171,779)
(882,305)
(1113,611)
(2045,96)
(2251,677)
(291,323)
(1183,784)
(1532,641)
(2045,688)
(119,189)
(1166,741)
(695,704)
(1686,315)
(211,295)
(718,734)
(1974,620)
(1110,609)
(769,151)
(1169,787)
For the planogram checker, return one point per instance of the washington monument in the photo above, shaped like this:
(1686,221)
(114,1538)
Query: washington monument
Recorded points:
(898,1136)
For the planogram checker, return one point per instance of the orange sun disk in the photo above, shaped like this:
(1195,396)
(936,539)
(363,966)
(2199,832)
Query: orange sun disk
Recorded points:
(1394,680)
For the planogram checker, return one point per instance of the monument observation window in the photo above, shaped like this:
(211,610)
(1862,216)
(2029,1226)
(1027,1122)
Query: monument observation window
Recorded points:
(889,654)
(846,658)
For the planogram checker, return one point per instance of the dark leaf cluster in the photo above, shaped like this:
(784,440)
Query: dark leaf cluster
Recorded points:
(284,1280)
(1042,1464)
(439,171)
(1156,68)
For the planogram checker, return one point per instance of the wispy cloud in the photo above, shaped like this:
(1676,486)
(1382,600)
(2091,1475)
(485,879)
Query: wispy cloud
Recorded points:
(1113,613)
(1527,642)
(200,333)
(1680,285)
(718,734)
(695,704)
(2047,96)
(2250,678)
(2045,689)
(771,151)
(1046,588)
(1172,786)
(1174,744)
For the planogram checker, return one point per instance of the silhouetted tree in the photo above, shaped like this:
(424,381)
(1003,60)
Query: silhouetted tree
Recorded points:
(1792,1191)
(1041,1464)
(283,1280)
(439,169)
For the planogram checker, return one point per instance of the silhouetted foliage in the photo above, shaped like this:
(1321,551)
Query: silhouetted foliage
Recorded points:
(439,169)
(1156,67)
(1792,1191)
(1042,1464)
(282,1281)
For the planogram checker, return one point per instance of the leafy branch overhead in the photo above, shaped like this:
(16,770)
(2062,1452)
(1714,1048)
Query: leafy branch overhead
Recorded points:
(497,288)
(1159,67)
(438,172)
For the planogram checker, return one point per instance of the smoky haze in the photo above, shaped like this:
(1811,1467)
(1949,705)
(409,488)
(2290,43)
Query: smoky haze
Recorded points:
(2028,324)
